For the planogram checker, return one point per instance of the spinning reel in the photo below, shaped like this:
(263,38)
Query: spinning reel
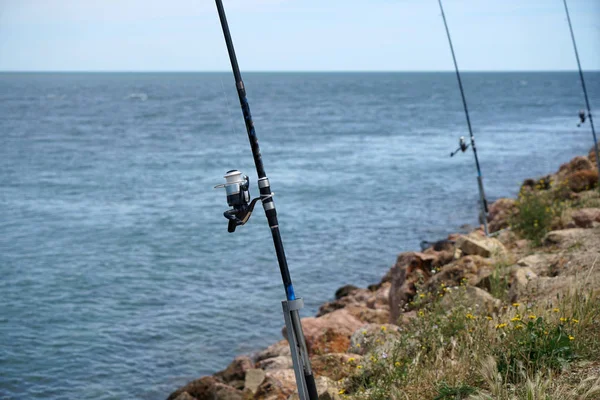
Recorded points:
(238,197)
(462,146)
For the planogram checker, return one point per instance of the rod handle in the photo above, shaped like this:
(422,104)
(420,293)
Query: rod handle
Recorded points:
(311,387)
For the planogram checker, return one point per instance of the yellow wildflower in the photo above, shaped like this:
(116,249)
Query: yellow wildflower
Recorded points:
(383,329)
(351,359)
(359,367)
(519,327)
(516,305)
(556,310)
(488,318)
(575,321)
(532,317)
(571,337)
(500,326)
(563,319)
(516,318)
(342,391)
(397,363)
(421,313)
(470,316)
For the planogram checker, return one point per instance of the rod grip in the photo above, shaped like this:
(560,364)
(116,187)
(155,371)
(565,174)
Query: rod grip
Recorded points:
(311,387)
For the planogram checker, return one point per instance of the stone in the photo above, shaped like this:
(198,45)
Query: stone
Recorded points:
(277,385)
(410,268)
(185,396)
(371,336)
(254,378)
(519,280)
(471,296)
(208,387)
(499,214)
(538,263)
(381,297)
(369,315)
(475,244)
(586,217)
(562,236)
(326,389)
(281,348)
(335,366)
(236,371)
(329,333)
(592,155)
(279,362)
(472,269)
(356,297)
(345,291)
(579,163)
(582,180)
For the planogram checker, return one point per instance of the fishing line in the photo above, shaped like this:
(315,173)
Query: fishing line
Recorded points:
(462,145)
(587,100)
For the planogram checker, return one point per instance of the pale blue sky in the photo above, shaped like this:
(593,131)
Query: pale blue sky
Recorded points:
(297,35)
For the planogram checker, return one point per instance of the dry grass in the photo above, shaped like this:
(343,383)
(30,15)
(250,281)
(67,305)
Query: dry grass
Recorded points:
(461,353)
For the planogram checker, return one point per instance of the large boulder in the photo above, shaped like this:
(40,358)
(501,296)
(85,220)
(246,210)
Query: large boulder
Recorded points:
(480,245)
(326,389)
(329,333)
(236,371)
(563,236)
(208,387)
(582,180)
(354,296)
(473,270)
(281,348)
(579,163)
(279,362)
(410,268)
(277,385)
(500,213)
(586,217)
(519,280)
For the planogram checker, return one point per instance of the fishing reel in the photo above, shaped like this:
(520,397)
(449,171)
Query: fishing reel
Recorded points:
(462,146)
(238,196)
(582,117)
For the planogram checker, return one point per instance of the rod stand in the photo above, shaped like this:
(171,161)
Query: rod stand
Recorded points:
(298,348)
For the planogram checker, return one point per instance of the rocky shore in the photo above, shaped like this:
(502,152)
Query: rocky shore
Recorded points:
(538,252)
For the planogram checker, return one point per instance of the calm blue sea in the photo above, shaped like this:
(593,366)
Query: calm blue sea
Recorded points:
(118,278)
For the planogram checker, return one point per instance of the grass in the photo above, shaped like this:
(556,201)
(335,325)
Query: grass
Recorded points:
(464,354)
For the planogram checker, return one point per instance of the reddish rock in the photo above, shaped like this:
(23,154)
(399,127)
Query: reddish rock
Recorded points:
(586,217)
(329,333)
(499,214)
(473,269)
(410,268)
(355,297)
(208,387)
(369,315)
(277,385)
(281,348)
(579,163)
(582,180)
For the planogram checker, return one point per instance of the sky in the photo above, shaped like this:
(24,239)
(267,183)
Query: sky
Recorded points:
(296,35)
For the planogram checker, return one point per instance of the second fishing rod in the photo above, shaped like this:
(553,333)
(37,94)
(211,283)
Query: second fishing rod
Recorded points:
(238,197)
(462,145)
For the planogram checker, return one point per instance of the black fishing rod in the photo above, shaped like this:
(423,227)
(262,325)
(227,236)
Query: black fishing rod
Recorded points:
(462,145)
(238,197)
(587,100)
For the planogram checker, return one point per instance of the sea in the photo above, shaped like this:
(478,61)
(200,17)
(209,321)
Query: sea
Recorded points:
(118,278)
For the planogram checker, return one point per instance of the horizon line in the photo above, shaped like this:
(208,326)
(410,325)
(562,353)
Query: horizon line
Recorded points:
(281,71)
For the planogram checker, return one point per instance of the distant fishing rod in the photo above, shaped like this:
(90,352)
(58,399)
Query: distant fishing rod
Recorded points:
(587,101)
(238,197)
(462,145)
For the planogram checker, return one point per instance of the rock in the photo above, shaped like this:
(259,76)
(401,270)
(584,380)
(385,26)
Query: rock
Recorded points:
(500,213)
(185,396)
(538,263)
(329,333)
(519,282)
(563,236)
(208,387)
(592,155)
(356,297)
(473,269)
(409,269)
(586,217)
(371,336)
(281,348)
(236,371)
(381,297)
(326,389)
(254,378)
(579,163)
(277,385)
(582,180)
(335,366)
(471,296)
(369,315)
(345,291)
(475,244)
(279,362)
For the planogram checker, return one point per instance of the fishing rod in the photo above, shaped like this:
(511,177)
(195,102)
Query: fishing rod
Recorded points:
(587,100)
(238,197)
(462,145)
